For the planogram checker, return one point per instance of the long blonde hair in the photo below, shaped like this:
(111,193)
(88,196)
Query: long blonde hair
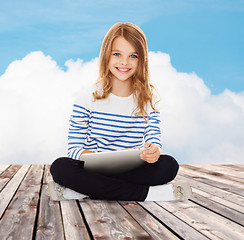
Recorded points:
(142,88)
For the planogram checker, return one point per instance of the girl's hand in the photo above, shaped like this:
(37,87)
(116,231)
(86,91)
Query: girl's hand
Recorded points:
(86,151)
(151,155)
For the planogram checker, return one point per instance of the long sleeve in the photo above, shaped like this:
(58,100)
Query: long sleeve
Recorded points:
(153,131)
(78,130)
(108,125)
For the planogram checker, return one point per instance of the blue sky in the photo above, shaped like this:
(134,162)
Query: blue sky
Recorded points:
(201,36)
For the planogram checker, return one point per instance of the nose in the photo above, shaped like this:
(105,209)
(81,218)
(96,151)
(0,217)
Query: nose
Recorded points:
(123,61)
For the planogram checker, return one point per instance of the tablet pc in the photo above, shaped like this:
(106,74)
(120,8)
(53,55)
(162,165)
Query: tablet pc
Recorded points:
(113,162)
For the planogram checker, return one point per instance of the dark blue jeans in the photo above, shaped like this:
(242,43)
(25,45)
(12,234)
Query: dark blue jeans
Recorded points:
(129,186)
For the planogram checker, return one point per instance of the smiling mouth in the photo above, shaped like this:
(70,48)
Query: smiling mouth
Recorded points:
(125,70)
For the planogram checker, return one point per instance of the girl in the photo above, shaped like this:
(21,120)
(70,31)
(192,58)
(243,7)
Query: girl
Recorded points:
(120,112)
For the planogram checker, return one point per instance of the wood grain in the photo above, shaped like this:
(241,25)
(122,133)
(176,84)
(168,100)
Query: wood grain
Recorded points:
(49,225)
(174,223)
(8,192)
(7,174)
(74,226)
(205,221)
(156,230)
(108,220)
(19,219)
(212,180)
(215,210)
(3,168)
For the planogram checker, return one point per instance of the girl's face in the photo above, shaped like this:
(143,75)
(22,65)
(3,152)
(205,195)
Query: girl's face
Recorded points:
(123,61)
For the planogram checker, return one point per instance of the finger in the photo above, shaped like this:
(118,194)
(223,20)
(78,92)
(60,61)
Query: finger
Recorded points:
(150,146)
(149,157)
(153,156)
(153,146)
(150,153)
(153,149)
(147,145)
(150,160)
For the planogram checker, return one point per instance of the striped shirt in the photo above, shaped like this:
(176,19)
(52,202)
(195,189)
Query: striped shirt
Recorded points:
(108,125)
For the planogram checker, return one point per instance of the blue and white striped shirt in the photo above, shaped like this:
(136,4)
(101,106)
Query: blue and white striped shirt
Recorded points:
(108,125)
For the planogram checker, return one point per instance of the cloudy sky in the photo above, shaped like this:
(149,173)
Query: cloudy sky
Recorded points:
(49,53)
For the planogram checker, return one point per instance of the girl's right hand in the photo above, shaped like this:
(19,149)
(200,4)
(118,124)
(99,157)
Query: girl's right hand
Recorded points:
(84,152)
(87,151)
(152,154)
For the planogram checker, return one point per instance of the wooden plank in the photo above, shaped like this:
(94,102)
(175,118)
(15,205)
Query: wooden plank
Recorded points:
(238,174)
(241,167)
(8,192)
(234,168)
(210,224)
(215,181)
(19,219)
(49,225)
(156,229)
(3,168)
(228,199)
(6,176)
(74,226)
(108,220)
(213,171)
(206,200)
(174,223)
(214,211)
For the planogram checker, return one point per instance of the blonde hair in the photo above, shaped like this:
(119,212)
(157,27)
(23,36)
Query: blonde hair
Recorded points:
(142,88)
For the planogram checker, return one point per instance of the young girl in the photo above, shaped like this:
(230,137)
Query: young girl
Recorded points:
(120,112)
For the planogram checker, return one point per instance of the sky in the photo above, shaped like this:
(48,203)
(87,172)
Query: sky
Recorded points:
(201,36)
(49,53)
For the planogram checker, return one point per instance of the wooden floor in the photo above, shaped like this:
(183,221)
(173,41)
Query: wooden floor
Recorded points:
(215,211)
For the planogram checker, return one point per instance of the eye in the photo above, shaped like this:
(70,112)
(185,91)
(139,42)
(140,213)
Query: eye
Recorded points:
(116,54)
(133,56)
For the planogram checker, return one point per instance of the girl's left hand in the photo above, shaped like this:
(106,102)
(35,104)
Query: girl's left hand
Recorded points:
(151,155)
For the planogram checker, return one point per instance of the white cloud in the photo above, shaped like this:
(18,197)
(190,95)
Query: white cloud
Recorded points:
(36,98)
(197,126)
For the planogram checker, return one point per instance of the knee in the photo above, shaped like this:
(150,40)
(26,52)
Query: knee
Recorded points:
(173,166)
(169,168)
(57,168)
(57,164)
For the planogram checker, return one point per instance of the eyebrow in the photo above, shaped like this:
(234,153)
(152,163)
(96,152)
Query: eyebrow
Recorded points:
(116,50)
